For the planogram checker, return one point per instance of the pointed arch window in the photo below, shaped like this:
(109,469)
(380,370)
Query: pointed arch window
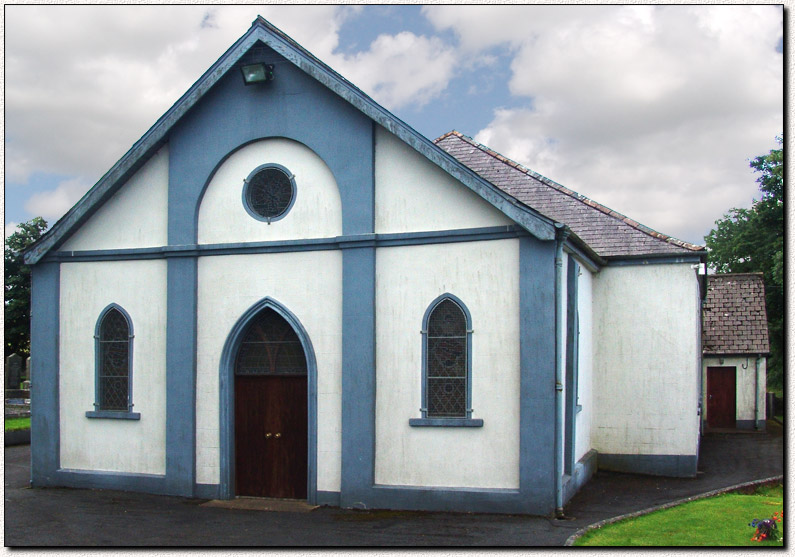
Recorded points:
(113,341)
(447,365)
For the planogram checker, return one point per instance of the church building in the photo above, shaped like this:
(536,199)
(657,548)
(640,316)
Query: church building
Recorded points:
(282,290)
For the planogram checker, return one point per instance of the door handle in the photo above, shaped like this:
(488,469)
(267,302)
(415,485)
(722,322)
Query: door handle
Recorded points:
(278,435)
(268,435)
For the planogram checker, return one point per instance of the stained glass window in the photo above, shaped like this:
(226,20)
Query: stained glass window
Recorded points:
(446,365)
(269,192)
(270,346)
(113,366)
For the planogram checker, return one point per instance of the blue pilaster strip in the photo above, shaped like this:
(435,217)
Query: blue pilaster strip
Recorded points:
(45,431)
(537,382)
(181,376)
(228,117)
(358,376)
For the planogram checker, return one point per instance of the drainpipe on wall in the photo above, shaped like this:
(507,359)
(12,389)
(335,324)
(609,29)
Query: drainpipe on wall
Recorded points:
(756,394)
(561,233)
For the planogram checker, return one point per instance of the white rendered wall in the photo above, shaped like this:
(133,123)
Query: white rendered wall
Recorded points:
(484,276)
(646,360)
(316,212)
(132,446)
(745,384)
(308,284)
(136,216)
(413,194)
(582,439)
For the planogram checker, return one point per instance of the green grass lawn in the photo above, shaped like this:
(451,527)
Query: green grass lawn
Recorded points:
(13,424)
(717,521)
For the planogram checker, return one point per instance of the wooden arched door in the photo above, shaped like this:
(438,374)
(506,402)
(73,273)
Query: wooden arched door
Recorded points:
(270,410)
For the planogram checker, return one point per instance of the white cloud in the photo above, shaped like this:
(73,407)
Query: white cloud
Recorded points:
(10,228)
(83,83)
(623,103)
(651,110)
(399,70)
(51,205)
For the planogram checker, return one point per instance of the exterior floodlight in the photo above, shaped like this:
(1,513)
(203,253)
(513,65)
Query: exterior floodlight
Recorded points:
(257,73)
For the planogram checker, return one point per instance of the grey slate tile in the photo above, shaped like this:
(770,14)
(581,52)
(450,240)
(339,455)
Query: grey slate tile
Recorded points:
(608,233)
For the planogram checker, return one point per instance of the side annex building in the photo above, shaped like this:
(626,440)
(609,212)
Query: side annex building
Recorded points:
(283,290)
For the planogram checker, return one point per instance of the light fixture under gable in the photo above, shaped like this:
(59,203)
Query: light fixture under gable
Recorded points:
(257,73)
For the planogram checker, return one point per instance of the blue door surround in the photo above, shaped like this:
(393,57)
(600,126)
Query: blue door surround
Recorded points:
(227,399)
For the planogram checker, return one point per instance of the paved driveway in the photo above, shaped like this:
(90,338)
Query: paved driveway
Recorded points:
(68,517)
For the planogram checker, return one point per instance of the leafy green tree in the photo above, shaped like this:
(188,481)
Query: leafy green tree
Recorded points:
(17,286)
(752,240)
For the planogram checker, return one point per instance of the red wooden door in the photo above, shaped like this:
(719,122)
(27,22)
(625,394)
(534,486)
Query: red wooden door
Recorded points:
(721,397)
(271,411)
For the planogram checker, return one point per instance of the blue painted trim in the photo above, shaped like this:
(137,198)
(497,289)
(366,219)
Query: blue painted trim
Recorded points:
(45,447)
(678,466)
(358,376)
(113,415)
(445,422)
(145,483)
(448,236)
(182,280)
(207,491)
(424,401)
(590,260)
(227,396)
(537,381)
(206,90)
(328,498)
(312,244)
(101,412)
(663,260)
(309,119)
(572,363)
(293,194)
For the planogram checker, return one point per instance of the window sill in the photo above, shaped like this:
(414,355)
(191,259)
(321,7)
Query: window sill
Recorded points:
(445,422)
(113,414)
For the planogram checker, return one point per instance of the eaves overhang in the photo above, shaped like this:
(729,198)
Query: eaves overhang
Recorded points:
(693,257)
(262,31)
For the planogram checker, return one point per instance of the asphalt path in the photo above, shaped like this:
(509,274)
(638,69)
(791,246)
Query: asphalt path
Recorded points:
(92,517)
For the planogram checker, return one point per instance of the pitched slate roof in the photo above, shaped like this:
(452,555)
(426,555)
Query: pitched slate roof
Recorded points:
(609,233)
(734,316)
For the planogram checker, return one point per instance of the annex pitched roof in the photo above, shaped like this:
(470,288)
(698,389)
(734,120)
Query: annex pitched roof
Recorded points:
(609,233)
(261,31)
(734,316)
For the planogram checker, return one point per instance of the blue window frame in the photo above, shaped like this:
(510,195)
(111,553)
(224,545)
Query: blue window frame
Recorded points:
(447,365)
(269,192)
(113,351)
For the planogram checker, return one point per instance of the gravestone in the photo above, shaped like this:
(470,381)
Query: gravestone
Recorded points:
(13,371)
(27,369)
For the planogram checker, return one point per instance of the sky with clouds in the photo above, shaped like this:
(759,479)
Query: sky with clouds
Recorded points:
(653,111)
